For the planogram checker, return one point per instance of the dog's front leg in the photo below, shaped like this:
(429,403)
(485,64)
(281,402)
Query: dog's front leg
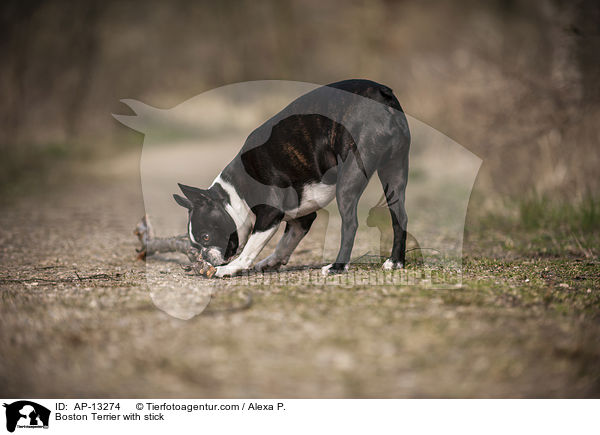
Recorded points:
(267,221)
(256,243)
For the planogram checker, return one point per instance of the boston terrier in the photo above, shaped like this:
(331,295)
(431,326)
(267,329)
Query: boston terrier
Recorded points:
(326,144)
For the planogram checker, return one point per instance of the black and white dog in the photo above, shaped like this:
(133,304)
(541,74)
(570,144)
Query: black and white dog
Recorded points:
(326,144)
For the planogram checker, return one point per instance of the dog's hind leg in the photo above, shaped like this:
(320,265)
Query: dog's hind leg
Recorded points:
(295,230)
(351,183)
(393,175)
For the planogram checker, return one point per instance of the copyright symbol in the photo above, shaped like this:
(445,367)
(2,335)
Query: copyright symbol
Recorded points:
(139,406)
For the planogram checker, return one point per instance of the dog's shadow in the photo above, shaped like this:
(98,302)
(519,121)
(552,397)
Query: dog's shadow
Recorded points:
(379,217)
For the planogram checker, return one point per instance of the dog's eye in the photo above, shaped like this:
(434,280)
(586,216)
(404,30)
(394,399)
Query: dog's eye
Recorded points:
(205,237)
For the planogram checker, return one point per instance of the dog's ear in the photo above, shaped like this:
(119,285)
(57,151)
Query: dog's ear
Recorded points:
(184,202)
(193,193)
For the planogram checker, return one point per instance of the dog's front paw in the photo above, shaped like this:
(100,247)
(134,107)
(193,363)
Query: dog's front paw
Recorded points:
(334,268)
(268,263)
(391,264)
(227,270)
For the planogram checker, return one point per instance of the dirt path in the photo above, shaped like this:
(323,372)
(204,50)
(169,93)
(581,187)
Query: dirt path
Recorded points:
(76,320)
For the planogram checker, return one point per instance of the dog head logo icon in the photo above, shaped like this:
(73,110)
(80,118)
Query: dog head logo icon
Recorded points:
(26,414)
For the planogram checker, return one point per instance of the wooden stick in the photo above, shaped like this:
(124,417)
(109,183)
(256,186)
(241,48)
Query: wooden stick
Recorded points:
(153,245)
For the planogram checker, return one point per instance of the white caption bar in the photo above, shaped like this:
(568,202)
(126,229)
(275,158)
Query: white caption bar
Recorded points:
(155,416)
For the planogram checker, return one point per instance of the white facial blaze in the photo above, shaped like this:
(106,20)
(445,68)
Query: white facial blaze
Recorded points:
(190,232)
(238,210)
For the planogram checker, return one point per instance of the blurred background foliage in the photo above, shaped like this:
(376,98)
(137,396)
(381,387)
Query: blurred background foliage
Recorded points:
(515,81)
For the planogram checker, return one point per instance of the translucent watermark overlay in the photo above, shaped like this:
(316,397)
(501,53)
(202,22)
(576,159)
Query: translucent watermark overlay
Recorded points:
(192,143)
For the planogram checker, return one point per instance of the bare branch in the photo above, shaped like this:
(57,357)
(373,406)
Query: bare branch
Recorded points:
(152,245)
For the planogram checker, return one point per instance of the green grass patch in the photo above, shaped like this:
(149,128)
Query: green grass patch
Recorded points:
(541,212)
(535,225)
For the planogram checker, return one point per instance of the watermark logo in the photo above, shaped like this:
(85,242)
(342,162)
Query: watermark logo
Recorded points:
(191,143)
(25,414)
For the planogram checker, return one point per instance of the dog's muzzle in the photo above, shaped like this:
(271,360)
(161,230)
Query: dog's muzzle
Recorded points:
(213,255)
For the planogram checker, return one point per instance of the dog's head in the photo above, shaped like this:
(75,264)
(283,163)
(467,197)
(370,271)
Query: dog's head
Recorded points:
(210,228)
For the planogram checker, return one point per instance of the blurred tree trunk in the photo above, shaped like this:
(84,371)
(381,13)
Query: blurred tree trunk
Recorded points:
(587,31)
(84,43)
(15,36)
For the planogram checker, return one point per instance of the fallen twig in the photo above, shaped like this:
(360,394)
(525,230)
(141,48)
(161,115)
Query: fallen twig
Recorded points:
(154,245)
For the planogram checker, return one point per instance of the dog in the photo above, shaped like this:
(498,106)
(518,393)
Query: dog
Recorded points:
(326,144)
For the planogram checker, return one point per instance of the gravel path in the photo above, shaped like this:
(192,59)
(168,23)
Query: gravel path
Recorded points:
(77,320)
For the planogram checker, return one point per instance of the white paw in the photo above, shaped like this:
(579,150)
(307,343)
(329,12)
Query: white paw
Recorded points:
(226,270)
(389,265)
(325,269)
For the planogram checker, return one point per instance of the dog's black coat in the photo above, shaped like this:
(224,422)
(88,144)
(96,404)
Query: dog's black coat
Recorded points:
(339,134)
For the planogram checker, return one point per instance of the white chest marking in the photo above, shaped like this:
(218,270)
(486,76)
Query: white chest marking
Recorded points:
(314,197)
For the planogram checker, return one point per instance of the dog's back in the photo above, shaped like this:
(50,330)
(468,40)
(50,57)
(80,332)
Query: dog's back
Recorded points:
(369,89)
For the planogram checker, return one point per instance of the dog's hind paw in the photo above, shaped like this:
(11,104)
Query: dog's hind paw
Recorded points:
(330,269)
(391,264)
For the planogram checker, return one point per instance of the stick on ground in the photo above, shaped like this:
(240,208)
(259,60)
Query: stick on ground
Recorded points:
(153,245)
